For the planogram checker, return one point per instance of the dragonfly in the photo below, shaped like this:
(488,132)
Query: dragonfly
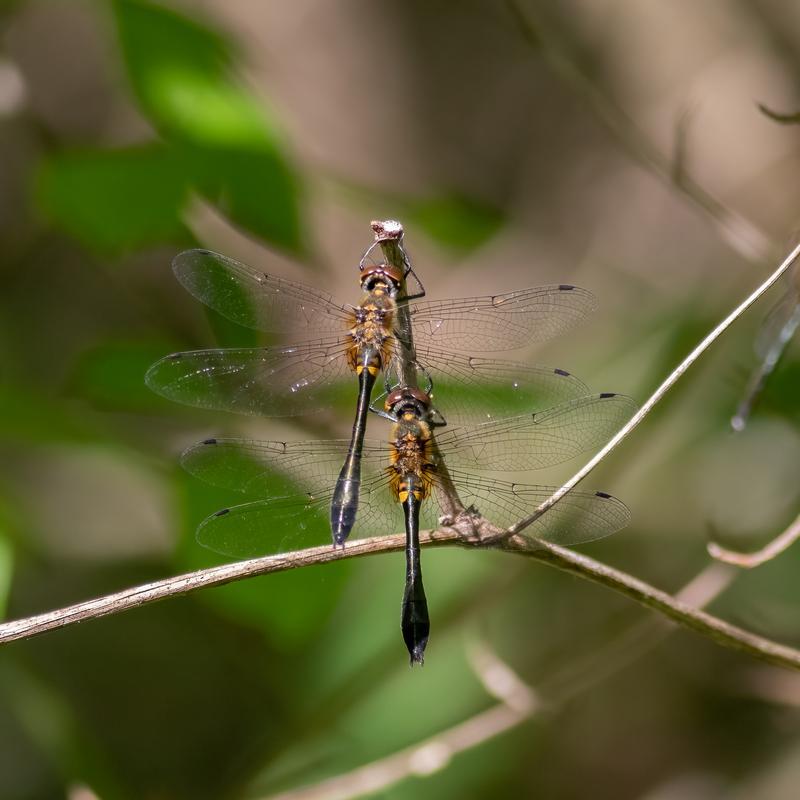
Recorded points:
(409,471)
(333,341)
(776,332)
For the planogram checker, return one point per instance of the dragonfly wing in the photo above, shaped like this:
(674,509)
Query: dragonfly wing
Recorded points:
(501,322)
(268,381)
(578,517)
(256,299)
(472,390)
(280,524)
(535,441)
(254,467)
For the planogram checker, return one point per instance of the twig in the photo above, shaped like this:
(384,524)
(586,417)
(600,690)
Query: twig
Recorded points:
(749,560)
(744,237)
(654,398)
(568,560)
(714,628)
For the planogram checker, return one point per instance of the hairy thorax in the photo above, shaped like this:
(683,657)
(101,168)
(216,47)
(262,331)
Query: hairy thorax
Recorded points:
(411,456)
(370,337)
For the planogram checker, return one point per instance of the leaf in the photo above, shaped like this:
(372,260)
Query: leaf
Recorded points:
(456,221)
(182,75)
(111,375)
(784,119)
(115,200)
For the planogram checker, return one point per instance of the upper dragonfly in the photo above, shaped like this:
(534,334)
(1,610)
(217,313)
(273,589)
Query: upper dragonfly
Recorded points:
(333,340)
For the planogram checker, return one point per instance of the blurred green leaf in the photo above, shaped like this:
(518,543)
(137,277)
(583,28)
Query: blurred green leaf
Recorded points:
(111,375)
(181,72)
(455,221)
(115,200)
(6,567)
(26,417)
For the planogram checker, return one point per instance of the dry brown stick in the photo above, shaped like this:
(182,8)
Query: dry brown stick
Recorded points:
(568,560)
(769,551)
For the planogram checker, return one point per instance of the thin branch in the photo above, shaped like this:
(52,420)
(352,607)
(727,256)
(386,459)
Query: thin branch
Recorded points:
(654,398)
(147,593)
(567,560)
(778,545)
(745,238)
(710,626)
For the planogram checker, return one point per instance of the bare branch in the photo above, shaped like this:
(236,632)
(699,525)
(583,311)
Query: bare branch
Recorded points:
(568,560)
(714,628)
(654,398)
(781,542)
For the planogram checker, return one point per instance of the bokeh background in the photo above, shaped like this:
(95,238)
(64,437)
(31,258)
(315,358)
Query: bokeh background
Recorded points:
(618,145)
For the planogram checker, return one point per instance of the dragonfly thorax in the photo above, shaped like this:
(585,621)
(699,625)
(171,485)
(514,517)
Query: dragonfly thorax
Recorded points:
(411,455)
(371,332)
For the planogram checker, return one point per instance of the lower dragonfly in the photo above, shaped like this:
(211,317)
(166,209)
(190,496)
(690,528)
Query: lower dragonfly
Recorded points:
(407,472)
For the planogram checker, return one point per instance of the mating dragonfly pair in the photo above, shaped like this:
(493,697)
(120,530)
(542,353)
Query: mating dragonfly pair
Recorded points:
(358,482)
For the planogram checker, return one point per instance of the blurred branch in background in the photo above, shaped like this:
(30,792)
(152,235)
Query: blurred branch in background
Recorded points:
(564,559)
(745,238)
(783,541)
(519,702)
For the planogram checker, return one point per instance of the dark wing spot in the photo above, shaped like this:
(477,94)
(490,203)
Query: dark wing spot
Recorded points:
(209,441)
(562,372)
(223,512)
(565,287)
(606,395)
(603,495)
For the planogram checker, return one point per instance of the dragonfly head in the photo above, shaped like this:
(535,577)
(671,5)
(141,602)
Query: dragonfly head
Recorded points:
(375,276)
(407,400)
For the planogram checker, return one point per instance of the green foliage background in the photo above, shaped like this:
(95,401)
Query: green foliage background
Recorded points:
(131,129)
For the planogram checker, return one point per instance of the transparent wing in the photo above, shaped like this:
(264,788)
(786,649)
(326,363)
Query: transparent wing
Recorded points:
(280,524)
(578,517)
(776,332)
(468,390)
(503,321)
(268,381)
(542,439)
(773,329)
(255,299)
(251,466)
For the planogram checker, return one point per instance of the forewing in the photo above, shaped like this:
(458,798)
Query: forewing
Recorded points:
(535,441)
(578,517)
(501,322)
(266,381)
(256,299)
